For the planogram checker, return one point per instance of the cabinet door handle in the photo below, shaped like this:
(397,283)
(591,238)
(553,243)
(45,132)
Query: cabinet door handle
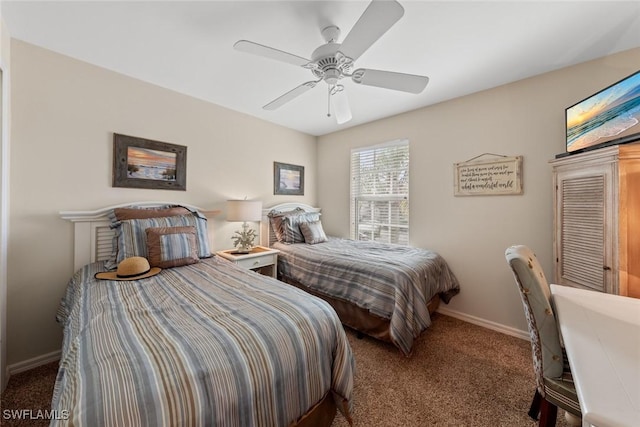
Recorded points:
(606,268)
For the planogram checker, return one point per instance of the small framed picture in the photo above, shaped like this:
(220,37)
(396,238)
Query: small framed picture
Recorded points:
(143,163)
(288,179)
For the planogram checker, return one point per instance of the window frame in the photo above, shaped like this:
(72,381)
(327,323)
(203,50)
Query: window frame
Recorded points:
(380,222)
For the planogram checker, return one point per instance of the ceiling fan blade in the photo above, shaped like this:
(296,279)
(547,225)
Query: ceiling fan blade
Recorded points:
(387,79)
(377,18)
(340,104)
(269,52)
(294,93)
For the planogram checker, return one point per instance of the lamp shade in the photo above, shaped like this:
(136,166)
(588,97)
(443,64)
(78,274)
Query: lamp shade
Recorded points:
(244,210)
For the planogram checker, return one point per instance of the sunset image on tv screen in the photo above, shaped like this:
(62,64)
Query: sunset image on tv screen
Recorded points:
(609,115)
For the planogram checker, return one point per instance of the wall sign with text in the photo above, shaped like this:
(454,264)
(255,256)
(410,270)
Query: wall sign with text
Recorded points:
(499,176)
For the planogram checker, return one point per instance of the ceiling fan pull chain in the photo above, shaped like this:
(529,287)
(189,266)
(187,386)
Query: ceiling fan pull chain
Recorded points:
(329,101)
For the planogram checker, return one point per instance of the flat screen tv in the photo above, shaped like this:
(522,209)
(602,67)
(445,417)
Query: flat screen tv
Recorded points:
(611,116)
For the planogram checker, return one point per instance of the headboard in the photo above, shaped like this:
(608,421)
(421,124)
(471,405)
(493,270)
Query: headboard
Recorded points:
(267,236)
(92,237)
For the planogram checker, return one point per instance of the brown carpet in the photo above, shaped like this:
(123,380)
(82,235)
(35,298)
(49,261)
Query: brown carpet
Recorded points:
(30,390)
(459,375)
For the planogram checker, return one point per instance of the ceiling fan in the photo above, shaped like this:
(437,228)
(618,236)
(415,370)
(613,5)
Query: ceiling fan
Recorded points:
(334,61)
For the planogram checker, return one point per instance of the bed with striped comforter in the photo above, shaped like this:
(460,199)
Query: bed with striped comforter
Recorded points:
(199,345)
(390,281)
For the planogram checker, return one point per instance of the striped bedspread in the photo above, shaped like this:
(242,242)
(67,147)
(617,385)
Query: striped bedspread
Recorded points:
(391,281)
(199,345)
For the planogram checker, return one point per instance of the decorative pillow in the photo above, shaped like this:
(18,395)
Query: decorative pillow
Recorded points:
(119,214)
(291,226)
(132,213)
(132,237)
(169,247)
(276,218)
(313,232)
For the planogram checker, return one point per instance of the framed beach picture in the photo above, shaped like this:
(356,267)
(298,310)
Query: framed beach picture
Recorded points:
(143,163)
(288,179)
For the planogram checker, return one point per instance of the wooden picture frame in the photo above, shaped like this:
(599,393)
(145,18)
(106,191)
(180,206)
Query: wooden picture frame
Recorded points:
(144,163)
(288,179)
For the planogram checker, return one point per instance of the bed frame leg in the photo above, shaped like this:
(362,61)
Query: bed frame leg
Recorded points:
(534,410)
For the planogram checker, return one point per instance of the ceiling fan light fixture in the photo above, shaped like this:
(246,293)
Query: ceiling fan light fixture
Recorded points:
(333,61)
(332,76)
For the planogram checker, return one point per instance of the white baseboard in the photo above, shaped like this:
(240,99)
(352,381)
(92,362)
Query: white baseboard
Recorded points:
(508,330)
(25,365)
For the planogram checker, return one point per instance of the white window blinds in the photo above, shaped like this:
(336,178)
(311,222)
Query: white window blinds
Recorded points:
(380,193)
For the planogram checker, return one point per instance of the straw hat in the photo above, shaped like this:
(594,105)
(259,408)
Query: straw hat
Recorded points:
(133,268)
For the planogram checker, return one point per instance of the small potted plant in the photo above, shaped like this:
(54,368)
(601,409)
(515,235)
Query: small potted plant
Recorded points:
(243,240)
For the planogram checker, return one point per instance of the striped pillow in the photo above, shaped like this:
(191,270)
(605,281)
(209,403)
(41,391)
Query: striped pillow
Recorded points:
(291,232)
(118,214)
(277,218)
(313,232)
(172,246)
(132,237)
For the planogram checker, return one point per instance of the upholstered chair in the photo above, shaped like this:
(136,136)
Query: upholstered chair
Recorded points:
(554,383)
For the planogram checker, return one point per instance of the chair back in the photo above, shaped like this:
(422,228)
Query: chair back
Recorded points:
(543,329)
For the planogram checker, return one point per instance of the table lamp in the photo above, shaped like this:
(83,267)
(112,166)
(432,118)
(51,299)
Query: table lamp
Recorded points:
(244,210)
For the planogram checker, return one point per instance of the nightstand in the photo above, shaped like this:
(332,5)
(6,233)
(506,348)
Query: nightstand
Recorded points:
(258,258)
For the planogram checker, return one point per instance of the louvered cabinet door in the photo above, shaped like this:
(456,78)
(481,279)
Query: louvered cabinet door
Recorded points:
(586,227)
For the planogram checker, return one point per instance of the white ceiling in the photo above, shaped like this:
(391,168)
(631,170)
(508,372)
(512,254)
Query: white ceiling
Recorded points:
(463,46)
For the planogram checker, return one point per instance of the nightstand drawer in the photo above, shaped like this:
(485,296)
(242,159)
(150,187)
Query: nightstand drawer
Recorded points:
(259,257)
(257,262)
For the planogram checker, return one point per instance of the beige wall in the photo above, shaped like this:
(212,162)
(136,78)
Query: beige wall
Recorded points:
(524,118)
(64,114)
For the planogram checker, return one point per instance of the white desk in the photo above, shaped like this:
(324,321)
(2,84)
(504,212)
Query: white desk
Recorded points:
(601,334)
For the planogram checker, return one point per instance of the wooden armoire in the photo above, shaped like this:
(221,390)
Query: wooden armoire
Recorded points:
(597,219)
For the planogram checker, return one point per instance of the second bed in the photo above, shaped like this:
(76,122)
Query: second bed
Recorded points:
(383,290)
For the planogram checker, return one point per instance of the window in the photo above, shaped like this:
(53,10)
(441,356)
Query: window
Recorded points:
(380,193)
